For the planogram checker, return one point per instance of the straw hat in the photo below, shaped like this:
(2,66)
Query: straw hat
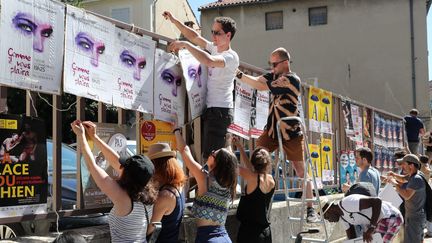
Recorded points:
(159,150)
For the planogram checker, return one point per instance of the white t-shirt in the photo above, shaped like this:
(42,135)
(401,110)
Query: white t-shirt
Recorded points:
(351,207)
(220,84)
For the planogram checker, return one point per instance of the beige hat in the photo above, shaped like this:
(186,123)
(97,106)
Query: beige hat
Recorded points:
(159,150)
(410,158)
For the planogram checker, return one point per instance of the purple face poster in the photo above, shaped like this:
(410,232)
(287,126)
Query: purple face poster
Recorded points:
(195,76)
(89,56)
(169,88)
(133,65)
(31,47)
(23,166)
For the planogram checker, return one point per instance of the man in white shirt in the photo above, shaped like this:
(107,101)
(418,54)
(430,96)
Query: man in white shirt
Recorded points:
(375,215)
(222,63)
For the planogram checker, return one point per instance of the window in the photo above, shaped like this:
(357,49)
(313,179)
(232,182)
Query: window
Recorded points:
(317,16)
(121,14)
(274,20)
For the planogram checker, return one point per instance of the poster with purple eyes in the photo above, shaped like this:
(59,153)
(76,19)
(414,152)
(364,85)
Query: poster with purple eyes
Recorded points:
(169,88)
(195,76)
(31,46)
(133,72)
(89,56)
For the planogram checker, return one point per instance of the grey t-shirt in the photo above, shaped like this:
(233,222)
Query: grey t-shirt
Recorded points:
(371,175)
(414,206)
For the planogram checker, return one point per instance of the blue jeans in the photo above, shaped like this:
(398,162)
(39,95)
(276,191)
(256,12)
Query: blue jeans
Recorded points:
(212,234)
(215,123)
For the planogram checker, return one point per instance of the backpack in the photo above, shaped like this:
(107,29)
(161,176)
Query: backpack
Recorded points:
(362,188)
(428,204)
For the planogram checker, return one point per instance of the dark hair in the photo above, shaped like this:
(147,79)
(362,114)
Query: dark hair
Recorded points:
(424,159)
(399,154)
(225,170)
(70,237)
(168,172)
(365,153)
(228,25)
(261,160)
(146,194)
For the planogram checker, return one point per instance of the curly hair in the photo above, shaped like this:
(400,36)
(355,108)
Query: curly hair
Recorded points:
(146,194)
(225,170)
(261,160)
(168,172)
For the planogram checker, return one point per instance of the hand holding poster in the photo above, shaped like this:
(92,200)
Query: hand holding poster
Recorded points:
(242,110)
(133,72)
(89,55)
(314,109)
(195,75)
(32,44)
(169,88)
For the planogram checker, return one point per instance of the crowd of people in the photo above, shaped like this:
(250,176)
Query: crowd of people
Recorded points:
(149,188)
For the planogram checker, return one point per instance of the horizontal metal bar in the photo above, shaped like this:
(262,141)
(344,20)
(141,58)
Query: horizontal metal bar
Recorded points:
(305,239)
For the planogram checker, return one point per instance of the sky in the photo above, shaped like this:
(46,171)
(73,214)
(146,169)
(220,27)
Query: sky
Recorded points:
(197,3)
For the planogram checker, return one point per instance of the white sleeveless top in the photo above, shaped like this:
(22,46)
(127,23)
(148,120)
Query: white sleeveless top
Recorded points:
(132,227)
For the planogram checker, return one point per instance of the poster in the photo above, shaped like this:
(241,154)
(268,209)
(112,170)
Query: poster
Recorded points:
(366,123)
(357,125)
(242,110)
(314,109)
(31,47)
(115,136)
(348,121)
(195,76)
(262,108)
(326,114)
(169,88)
(23,167)
(327,160)
(315,154)
(345,168)
(89,56)
(133,67)
(156,132)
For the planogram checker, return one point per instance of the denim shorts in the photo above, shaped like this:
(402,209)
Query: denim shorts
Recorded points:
(212,234)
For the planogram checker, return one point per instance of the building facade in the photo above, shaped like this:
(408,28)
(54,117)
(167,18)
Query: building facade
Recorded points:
(373,51)
(146,14)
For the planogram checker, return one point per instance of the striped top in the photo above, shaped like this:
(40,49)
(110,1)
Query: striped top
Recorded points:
(284,103)
(132,227)
(213,205)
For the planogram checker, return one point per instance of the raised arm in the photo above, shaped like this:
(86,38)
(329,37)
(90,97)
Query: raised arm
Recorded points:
(202,56)
(258,83)
(107,185)
(110,155)
(187,32)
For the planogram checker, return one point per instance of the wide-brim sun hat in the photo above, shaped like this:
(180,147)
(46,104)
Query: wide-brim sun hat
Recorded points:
(160,150)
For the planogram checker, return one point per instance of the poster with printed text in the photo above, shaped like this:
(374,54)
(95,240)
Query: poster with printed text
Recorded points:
(133,70)
(325,113)
(195,76)
(89,56)
(315,153)
(314,109)
(23,167)
(327,160)
(31,46)
(156,132)
(261,113)
(242,110)
(357,125)
(115,136)
(348,121)
(169,88)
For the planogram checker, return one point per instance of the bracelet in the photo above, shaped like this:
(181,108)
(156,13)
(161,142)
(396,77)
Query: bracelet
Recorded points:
(176,129)
(239,75)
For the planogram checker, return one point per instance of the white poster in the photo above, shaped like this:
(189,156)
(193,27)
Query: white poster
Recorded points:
(133,71)
(357,125)
(242,110)
(31,45)
(89,56)
(195,76)
(261,110)
(169,88)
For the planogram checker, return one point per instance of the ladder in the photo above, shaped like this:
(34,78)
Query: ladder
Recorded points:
(308,163)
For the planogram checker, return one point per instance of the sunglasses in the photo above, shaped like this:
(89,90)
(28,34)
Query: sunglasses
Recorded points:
(219,32)
(274,64)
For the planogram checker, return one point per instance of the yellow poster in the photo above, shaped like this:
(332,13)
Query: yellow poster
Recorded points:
(325,113)
(314,150)
(327,159)
(314,109)
(156,132)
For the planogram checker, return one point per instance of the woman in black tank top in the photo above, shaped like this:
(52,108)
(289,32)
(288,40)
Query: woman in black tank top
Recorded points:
(254,207)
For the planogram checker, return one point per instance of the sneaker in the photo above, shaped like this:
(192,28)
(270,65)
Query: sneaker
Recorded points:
(311,216)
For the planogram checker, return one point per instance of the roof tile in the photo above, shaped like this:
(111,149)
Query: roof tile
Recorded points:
(226,3)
